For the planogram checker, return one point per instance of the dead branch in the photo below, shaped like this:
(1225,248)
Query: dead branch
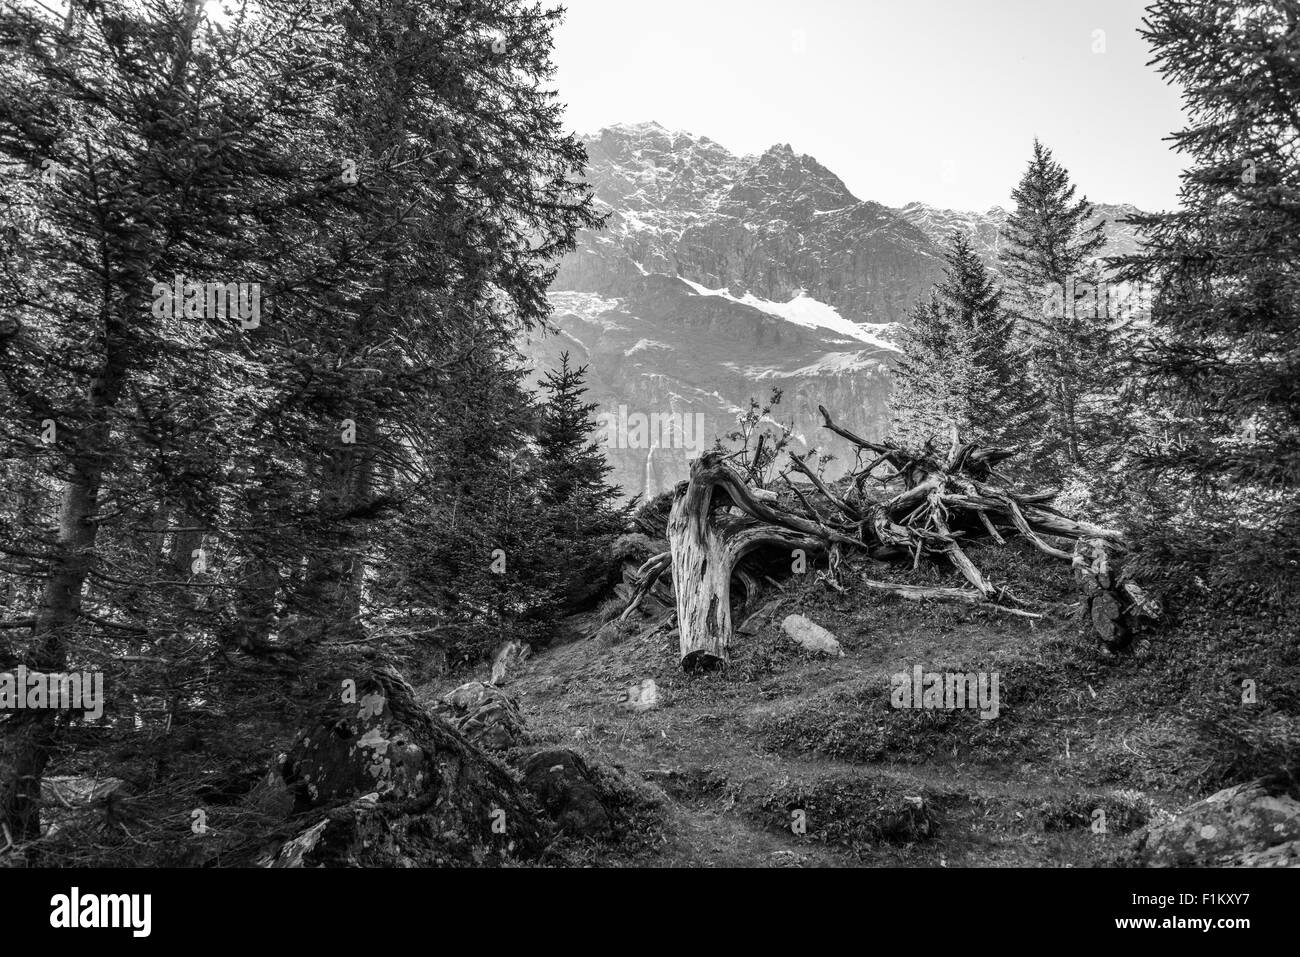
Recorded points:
(947,499)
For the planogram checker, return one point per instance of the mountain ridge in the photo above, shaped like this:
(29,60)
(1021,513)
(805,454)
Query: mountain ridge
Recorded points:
(719,277)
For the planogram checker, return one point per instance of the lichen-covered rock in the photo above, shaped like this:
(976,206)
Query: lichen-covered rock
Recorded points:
(362,746)
(811,635)
(569,791)
(1244,825)
(379,782)
(1280,855)
(486,715)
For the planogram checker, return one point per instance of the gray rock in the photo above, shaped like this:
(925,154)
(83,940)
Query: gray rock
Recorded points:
(1253,824)
(811,635)
(642,697)
(1280,855)
(486,715)
(565,786)
(380,782)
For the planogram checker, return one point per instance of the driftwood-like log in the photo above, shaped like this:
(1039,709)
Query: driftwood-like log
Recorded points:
(945,501)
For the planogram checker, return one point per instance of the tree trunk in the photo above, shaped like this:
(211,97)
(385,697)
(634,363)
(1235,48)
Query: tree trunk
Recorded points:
(707,541)
(702,577)
(28,736)
(1071,423)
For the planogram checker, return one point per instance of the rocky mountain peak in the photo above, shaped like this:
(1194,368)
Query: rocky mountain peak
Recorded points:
(719,277)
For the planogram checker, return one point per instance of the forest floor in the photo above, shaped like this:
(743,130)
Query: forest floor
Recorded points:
(1085,748)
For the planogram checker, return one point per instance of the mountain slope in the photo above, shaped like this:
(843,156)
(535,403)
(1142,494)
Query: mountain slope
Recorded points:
(720,277)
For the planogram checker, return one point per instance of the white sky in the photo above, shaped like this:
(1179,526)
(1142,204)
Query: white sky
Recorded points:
(930,100)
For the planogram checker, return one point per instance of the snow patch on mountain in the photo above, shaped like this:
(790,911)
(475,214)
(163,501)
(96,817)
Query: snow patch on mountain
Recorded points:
(585,305)
(647,345)
(804,310)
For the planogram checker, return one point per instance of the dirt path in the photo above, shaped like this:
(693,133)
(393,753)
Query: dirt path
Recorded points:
(731,796)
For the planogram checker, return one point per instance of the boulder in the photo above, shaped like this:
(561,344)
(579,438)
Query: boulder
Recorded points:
(379,782)
(811,636)
(566,787)
(1112,606)
(1253,824)
(1279,855)
(486,715)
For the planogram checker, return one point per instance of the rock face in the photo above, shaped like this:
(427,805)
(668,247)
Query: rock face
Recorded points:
(984,230)
(719,277)
(1252,825)
(486,715)
(811,636)
(396,787)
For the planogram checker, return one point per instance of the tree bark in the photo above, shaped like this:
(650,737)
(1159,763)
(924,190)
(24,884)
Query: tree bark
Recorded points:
(707,541)
(28,735)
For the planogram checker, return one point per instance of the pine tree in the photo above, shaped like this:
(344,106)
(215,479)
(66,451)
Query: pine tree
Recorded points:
(1048,255)
(959,366)
(920,400)
(1220,363)
(572,467)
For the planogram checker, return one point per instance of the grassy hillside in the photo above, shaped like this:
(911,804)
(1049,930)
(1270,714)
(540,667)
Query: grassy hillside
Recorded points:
(727,759)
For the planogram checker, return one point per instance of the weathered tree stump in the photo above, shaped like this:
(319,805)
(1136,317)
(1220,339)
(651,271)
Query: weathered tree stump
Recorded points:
(707,538)
(947,500)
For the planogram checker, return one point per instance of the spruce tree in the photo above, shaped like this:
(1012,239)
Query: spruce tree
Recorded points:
(920,400)
(959,365)
(1220,363)
(572,467)
(1048,255)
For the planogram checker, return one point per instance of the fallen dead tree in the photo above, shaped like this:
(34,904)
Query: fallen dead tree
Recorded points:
(944,500)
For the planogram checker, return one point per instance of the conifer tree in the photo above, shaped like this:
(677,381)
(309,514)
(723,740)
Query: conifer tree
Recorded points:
(959,365)
(1048,258)
(1220,363)
(572,467)
(238,494)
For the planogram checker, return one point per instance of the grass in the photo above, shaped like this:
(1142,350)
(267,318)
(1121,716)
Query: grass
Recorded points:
(1080,737)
